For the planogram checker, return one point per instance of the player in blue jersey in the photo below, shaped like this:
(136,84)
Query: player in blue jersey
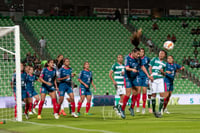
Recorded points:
(65,77)
(85,78)
(171,69)
(30,80)
(49,85)
(143,81)
(132,64)
(23,89)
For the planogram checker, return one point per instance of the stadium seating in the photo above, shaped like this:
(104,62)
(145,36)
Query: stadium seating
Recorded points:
(98,41)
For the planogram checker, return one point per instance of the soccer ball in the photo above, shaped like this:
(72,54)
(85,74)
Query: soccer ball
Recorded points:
(168,45)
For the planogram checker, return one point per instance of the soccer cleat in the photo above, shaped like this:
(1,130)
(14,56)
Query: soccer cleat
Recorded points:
(157,114)
(123,114)
(88,114)
(79,114)
(62,112)
(26,116)
(166,111)
(56,116)
(138,110)
(30,113)
(34,112)
(143,111)
(39,117)
(74,115)
(131,111)
(150,110)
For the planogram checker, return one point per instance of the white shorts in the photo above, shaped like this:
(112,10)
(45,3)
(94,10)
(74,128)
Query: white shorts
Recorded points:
(157,86)
(121,90)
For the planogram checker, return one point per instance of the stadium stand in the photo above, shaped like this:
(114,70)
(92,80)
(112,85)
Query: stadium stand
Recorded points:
(98,41)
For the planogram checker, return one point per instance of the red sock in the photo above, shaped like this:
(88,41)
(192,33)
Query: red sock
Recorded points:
(73,107)
(133,100)
(15,110)
(144,99)
(40,107)
(35,103)
(26,108)
(87,107)
(30,107)
(79,106)
(125,100)
(138,100)
(55,106)
(166,100)
(58,108)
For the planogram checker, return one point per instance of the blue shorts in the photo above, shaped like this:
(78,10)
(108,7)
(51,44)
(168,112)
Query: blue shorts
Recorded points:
(85,91)
(47,89)
(64,88)
(32,93)
(24,93)
(169,86)
(143,81)
(131,82)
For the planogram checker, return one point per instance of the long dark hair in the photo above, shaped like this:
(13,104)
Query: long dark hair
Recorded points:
(46,65)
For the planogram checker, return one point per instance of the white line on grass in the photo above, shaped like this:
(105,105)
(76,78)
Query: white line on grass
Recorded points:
(69,127)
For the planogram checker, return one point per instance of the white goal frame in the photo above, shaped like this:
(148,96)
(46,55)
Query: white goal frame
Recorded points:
(3,32)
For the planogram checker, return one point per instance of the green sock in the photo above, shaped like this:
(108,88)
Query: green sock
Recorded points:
(153,99)
(119,106)
(149,103)
(70,109)
(23,107)
(161,103)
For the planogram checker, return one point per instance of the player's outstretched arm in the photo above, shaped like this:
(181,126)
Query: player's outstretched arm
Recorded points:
(131,69)
(145,71)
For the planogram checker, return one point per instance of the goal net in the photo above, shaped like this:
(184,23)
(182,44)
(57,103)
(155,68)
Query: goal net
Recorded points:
(9,66)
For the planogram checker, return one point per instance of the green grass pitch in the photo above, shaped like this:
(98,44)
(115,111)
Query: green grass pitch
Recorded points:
(183,119)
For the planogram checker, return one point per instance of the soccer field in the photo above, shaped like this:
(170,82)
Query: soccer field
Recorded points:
(183,119)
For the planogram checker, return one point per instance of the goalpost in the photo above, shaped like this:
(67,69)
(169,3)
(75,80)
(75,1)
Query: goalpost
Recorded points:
(10,64)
